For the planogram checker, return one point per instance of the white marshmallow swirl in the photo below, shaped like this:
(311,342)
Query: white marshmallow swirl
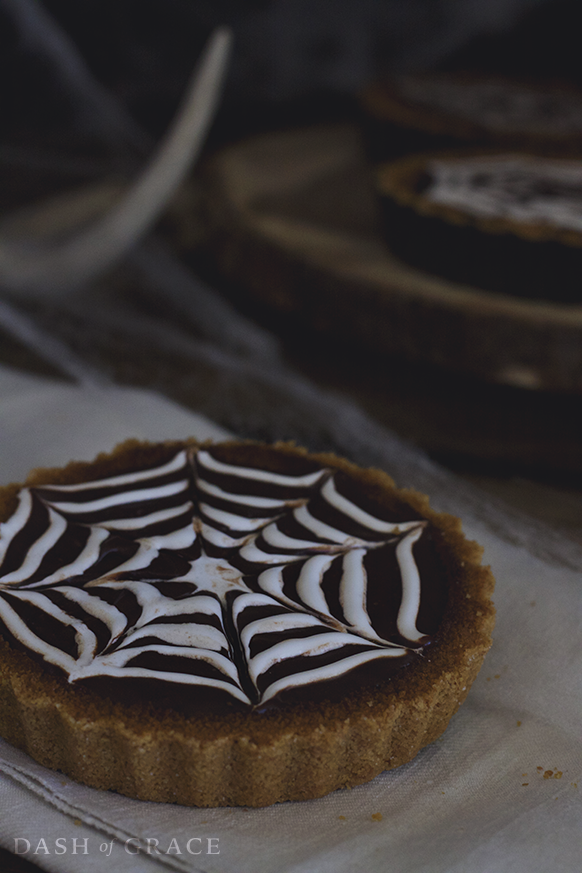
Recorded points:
(205,573)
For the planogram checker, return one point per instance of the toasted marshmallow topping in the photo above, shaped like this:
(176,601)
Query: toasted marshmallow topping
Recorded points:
(519,187)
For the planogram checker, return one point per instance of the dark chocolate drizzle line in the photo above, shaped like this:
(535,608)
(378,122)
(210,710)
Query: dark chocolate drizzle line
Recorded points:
(245,589)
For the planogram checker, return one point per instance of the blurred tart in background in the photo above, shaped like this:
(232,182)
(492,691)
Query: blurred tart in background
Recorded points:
(505,222)
(430,111)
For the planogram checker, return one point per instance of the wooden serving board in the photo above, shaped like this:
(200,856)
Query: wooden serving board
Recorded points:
(293,225)
(294,218)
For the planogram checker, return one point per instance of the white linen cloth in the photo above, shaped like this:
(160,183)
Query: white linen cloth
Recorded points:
(500,791)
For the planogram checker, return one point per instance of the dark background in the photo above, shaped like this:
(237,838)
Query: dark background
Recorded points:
(290,57)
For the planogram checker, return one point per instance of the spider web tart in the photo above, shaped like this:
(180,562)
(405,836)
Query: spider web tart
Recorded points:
(237,612)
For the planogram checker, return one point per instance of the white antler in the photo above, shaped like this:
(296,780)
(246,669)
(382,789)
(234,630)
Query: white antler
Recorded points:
(28,266)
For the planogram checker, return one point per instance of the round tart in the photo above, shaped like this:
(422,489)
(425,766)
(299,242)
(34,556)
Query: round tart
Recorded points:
(421,112)
(505,222)
(231,624)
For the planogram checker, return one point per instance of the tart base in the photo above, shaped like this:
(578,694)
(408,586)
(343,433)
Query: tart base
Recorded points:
(181,764)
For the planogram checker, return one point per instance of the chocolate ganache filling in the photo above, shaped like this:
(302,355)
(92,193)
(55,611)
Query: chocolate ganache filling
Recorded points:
(212,576)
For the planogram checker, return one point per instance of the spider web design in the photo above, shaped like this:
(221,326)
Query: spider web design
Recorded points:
(206,574)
